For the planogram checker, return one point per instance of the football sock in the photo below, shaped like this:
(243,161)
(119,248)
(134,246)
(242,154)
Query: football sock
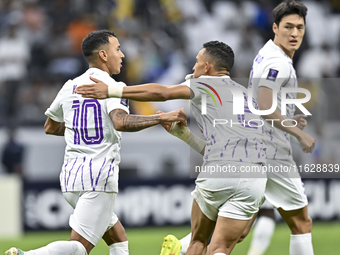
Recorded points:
(301,244)
(185,241)
(219,253)
(262,235)
(60,248)
(121,248)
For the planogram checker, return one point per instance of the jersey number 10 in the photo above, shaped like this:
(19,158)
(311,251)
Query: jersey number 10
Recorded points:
(86,124)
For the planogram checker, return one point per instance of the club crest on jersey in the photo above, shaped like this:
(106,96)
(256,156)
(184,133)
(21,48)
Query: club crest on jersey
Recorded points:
(272,74)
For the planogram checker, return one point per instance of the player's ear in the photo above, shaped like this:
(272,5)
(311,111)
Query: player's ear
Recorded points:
(275,27)
(103,55)
(207,67)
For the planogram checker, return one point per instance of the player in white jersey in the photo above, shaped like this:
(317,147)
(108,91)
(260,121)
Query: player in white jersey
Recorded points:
(92,130)
(223,205)
(272,70)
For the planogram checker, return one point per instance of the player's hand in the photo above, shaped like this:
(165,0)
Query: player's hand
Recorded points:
(173,119)
(98,90)
(307,141)
(301,121)
(166,125)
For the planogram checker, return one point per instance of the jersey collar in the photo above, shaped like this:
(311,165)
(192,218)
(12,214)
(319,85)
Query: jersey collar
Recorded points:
(273,46)
(210,76)
(94,70)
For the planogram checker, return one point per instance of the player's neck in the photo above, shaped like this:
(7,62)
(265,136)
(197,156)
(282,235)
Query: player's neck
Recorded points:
(219,73)
(288,53)
(101,67)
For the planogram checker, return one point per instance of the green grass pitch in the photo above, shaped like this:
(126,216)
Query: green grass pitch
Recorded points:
(147,241)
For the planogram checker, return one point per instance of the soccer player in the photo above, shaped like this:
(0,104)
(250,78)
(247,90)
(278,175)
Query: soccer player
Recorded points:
(272,70)
(223,205)
(92,130)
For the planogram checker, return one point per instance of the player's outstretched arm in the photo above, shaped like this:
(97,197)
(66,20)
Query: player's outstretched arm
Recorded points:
(182,132)
(54,128)
(122,121)
(146,92)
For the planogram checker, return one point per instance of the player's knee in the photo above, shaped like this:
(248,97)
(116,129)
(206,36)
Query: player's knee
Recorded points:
(305,225)
(244,234)
(309,224)
(302,226)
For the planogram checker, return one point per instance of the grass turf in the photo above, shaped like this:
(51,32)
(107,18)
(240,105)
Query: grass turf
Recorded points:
(147,241)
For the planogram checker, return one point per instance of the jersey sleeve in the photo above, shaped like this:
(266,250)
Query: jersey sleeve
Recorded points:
(55,111)
(275,73)
(191,84)
(118,103)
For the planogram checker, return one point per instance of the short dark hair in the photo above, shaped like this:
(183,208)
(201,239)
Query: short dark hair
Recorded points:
(289,7)
(94,40)
(221,55)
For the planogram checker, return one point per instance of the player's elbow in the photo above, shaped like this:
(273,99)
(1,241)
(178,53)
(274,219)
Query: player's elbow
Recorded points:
(118,126)
(48,129)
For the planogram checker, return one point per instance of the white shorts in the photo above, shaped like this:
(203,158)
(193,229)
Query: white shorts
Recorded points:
(266,205)
(93,213)
(285,190)
(235,198)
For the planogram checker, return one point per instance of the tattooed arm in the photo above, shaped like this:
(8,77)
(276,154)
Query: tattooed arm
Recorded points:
(122,121)
(54,128)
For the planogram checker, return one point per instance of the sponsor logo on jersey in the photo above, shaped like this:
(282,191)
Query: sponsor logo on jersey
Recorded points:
(209,93)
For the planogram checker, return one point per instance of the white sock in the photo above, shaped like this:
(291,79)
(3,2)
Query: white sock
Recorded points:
(219,253)
(262,235)
(301,244)
(60,248)
(185,241)
(121,248)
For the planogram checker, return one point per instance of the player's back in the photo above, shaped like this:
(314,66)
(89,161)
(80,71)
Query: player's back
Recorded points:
(229,137)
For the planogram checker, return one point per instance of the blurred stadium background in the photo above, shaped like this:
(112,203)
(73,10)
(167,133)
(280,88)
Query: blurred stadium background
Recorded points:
(40,50)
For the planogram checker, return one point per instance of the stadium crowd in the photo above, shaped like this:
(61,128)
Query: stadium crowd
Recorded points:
(40,43)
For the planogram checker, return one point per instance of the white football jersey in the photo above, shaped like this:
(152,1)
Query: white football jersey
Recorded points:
(228,137)
(92,152)
(273,68)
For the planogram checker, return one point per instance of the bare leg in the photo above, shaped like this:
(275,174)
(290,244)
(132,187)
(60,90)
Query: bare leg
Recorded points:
(248,227)
(76,237)
(297,220)
(201,229)
(300,225)
(226,235)
(116,234)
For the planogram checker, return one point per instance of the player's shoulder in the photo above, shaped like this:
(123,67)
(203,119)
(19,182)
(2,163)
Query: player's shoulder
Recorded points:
(270,52)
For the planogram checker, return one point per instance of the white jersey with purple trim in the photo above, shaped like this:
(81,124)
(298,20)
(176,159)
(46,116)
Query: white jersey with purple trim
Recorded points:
(273,68)
(92,152)
(228,137)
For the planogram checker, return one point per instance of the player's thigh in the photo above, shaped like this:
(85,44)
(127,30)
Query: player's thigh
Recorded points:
(201,226)
(285,190)
(92,213)
(226,234)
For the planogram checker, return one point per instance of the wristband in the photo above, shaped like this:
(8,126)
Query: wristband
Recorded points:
(185,135)
(114,91)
